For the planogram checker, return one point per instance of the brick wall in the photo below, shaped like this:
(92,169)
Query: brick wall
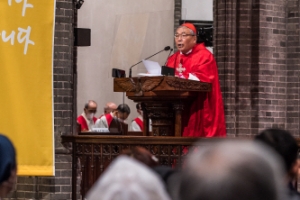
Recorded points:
(257,51)
(292,44)
(177,17)
(58,187)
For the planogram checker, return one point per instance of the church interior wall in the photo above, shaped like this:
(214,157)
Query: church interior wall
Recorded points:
(122,34)
(195,10)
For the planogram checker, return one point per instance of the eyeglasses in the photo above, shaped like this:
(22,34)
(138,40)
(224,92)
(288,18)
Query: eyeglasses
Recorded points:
(183,35)
(92,111)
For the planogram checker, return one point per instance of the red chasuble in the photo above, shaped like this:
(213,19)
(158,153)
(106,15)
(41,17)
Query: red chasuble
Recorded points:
(109,118)
(206,116)
(83,124)
(140,123)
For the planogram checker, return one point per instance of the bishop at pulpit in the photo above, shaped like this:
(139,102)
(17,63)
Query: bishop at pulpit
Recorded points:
(165,100)
(189,104)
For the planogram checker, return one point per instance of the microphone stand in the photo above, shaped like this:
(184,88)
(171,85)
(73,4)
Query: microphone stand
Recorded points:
(168,56)
(130,69)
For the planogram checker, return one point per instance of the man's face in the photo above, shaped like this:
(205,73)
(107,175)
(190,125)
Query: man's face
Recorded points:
(108,110)
(122,116)
(110,107)
(91,110)
(185,41)
(140,111)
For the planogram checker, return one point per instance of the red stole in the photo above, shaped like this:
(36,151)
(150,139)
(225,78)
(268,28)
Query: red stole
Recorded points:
(101,116)
(81,120)
(206,116)
(109,119)
(140,123)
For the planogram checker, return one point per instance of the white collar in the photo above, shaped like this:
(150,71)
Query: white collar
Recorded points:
(190,51)
(85,117)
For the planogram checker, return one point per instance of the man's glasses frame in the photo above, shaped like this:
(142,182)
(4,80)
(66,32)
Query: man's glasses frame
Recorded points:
(183,35)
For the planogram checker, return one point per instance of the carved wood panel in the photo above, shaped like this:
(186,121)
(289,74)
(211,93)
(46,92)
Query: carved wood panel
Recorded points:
(95,158)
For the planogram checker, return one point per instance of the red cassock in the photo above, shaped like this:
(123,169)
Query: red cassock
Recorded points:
(206,115)
(83,124)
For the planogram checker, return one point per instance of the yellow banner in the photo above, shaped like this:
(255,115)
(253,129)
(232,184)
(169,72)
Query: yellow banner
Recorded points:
(26,102)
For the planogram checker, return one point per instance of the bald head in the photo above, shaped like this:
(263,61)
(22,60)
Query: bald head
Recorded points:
(234,170)
(91,105)
(109,107)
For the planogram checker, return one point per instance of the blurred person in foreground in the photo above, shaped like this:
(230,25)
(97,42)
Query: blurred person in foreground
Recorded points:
(193,61)
(143,155)
(231,171)
(285,145)
(128,179)
(167,174)
(8,167)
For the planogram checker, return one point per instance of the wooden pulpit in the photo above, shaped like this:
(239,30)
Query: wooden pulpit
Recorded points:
(164,99)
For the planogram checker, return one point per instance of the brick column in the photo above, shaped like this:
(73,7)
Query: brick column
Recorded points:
(292,46)
(177,17)
(254,65)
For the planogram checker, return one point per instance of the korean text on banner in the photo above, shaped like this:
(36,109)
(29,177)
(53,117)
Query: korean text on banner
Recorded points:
(26,102)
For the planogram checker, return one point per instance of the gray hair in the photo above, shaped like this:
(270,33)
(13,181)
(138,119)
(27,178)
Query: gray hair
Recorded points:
(128,179)
(192,32)
(233,171)
(86,105)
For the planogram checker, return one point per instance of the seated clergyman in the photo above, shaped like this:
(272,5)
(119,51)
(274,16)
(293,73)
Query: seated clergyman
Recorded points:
(87,119)
(121,113)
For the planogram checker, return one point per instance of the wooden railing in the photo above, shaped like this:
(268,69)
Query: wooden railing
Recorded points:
(93,153)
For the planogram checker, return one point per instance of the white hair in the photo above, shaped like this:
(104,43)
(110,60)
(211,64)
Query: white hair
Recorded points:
(128,179)
(192,32)
(232,171)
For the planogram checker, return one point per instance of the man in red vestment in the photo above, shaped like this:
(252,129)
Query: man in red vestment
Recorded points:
(121,113)
(194,61)
(109,107)
(87,119)
(137,124)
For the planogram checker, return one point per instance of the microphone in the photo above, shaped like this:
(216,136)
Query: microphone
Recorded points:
(167,48)
(168,56)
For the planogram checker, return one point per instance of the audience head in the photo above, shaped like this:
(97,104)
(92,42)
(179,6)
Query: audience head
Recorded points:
(128,179)
(143,155)
(232,171)
(8,167)
(185,37)
(110,107)
(90,109)
(284,144)
(139,108)
(122,112)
